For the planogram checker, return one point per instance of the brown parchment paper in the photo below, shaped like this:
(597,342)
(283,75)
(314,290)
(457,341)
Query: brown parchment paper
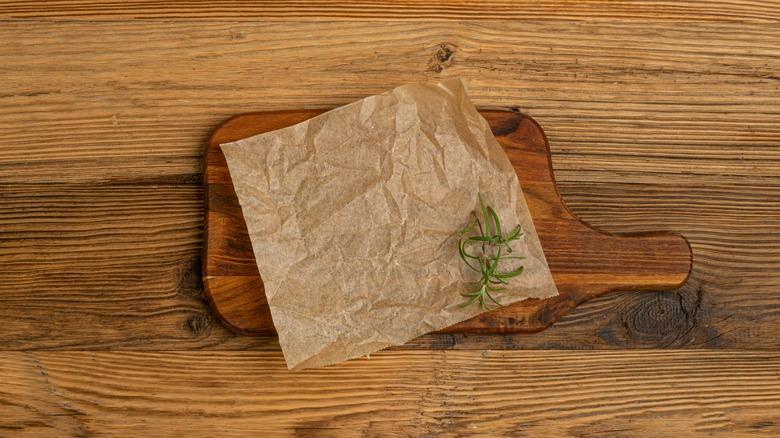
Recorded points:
(354,218)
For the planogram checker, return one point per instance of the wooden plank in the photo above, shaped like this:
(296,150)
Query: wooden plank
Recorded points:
(431,393)
(695,102)
(742,11)
(102,267)
(118,267)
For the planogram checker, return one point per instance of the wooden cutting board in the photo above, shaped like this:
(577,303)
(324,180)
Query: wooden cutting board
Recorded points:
(585,262)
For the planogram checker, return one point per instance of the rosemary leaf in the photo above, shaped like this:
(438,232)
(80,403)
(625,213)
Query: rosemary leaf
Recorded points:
(488,265)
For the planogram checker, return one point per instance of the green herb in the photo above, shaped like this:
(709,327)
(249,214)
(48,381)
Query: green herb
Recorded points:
(491,245)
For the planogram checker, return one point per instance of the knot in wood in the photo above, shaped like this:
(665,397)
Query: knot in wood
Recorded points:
(198,325)
(443,53)
(442,57)
(655,319)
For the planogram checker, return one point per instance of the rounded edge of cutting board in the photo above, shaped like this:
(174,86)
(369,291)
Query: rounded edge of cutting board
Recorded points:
(585,262)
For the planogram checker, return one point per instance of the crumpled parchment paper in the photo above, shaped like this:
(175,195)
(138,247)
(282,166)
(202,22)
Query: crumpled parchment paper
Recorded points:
(354,218)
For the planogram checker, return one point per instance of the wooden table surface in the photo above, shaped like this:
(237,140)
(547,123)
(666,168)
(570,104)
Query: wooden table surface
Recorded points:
(660,116)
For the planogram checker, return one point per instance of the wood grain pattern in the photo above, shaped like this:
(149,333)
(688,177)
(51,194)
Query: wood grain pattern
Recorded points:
(148,102)
(117,293)
(672,129)
(585,263)
(661,115)
(712,10)
(430,393)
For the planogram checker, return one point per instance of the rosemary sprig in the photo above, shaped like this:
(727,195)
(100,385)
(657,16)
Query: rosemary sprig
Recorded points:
(490,240)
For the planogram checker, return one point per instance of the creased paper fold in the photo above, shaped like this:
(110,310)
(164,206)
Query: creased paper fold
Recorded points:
(354,218)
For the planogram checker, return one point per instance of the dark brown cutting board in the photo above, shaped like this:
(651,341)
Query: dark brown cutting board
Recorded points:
(585,262)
